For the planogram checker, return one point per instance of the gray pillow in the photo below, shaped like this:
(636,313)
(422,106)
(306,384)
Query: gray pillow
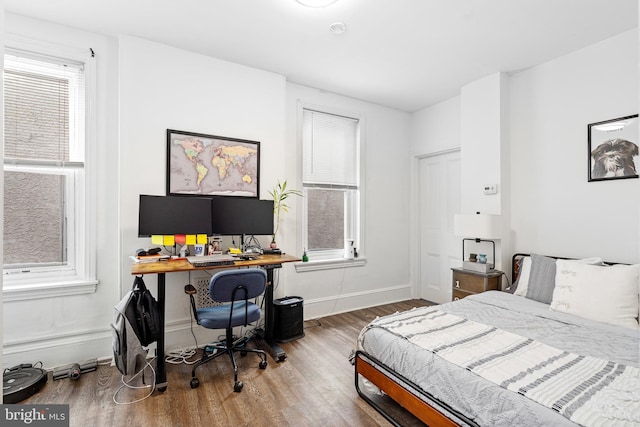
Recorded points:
(542,279)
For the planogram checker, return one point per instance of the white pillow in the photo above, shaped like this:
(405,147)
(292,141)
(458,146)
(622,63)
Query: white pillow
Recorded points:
(525,271)
(606,294)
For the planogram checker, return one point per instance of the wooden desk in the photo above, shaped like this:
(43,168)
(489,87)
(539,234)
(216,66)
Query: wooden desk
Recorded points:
(268,262)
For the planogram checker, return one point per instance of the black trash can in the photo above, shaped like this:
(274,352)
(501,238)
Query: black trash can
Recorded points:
(288,313)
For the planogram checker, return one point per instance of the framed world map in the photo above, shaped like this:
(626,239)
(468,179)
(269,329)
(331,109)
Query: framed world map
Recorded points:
(209,165)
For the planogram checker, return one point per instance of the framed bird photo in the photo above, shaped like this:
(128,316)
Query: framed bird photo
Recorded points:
(613,149)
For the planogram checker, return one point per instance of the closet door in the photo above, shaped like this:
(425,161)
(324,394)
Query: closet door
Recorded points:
(439,200)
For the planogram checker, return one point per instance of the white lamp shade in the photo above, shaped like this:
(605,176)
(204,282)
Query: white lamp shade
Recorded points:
(478,226)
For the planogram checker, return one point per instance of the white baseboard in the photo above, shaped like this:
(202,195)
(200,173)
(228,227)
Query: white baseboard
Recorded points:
(63,350)
(58,351)
(326,306)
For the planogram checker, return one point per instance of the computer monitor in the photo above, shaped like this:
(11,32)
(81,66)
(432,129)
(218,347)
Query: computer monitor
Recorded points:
(167,215)
(235,216)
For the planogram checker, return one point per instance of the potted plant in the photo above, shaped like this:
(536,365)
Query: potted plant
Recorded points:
(280,193)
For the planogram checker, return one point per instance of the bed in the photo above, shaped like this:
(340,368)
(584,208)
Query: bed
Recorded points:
(562,348)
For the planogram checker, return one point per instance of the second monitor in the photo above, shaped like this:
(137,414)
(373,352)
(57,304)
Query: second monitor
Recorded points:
(235,216)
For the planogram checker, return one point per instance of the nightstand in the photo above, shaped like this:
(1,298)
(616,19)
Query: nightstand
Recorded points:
(467,282)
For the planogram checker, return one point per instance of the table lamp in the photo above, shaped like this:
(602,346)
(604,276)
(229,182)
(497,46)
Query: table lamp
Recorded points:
(479,228)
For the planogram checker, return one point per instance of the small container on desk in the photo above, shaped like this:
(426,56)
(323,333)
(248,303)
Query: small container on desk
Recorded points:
(469,282)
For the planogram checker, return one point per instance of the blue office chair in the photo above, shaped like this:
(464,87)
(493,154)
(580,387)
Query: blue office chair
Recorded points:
(235,287)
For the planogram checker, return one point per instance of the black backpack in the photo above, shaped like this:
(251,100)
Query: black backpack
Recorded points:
(142,313)
(136,322)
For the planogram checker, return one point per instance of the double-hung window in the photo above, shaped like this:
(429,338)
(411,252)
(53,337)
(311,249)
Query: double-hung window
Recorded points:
(331,185)
(46,221)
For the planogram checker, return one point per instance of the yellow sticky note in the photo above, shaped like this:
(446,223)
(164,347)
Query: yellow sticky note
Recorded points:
(202,239)
(190,239)
(157,240)
(169,241)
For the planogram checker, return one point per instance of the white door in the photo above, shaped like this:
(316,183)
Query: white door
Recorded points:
(439,201)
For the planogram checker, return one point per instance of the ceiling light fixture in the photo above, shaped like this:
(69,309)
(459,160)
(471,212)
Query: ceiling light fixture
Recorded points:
(338,28)
(316,3)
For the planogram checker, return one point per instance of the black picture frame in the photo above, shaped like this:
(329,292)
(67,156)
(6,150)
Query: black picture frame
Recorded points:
(192,168)
(613,149)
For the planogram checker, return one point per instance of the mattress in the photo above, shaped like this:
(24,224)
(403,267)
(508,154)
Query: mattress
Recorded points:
(482,401)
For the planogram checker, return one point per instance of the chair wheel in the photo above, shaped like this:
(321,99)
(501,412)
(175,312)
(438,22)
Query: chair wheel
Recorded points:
(194,382)
(263,364)
(237,387)
(243,353)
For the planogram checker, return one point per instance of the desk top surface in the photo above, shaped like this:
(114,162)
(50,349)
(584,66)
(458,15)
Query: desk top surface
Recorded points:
(181,264)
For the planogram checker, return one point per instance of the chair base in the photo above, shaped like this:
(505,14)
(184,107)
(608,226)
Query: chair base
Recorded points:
(218,350)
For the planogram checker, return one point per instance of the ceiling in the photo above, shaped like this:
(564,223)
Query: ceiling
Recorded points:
(404,54)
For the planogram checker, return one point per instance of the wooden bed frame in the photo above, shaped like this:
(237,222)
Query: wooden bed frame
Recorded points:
(397,387)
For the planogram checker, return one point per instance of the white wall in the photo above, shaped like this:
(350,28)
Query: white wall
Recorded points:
(555,210)
(61,330)
(480,140)
(541,114)
(386,202)
(166,88)
(436,128)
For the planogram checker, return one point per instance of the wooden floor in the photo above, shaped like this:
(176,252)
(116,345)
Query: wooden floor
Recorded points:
(314,386)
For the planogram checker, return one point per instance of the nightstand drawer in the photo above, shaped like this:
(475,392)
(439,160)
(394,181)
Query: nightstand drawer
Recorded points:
(465,282)
(472,282)
(458,294)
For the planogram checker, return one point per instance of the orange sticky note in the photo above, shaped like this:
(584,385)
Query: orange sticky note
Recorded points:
(157,240)
(180,239)
(202,239)
(190,239)
(169,241)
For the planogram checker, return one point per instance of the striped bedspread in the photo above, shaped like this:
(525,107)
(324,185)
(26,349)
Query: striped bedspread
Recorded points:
(586,390)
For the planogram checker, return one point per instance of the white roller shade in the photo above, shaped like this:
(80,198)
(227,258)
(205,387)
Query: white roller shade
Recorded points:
(330,150)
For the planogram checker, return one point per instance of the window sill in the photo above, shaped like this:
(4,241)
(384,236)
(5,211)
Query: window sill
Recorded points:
(48,290)
(329,264)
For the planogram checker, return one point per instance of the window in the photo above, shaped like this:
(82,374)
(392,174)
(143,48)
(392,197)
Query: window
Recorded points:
(331,184)
(46,221)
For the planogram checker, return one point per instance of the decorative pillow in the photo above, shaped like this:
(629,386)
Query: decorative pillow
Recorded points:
(542,278)
(606,294)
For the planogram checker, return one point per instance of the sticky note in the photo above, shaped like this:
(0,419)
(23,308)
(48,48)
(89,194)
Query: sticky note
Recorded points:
(157,240)
(169,241)
(180,239)
(202,239)
(190,239)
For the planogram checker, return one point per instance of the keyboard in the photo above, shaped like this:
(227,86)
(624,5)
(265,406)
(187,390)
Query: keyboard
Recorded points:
(211,260)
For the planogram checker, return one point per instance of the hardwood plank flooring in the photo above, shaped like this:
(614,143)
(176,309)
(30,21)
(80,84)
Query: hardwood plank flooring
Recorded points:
(314,386)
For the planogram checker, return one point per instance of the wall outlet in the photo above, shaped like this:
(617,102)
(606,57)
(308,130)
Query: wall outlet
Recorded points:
(491,189)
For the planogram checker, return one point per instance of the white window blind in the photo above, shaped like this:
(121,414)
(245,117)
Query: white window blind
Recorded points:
(44,111)
(330,150)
